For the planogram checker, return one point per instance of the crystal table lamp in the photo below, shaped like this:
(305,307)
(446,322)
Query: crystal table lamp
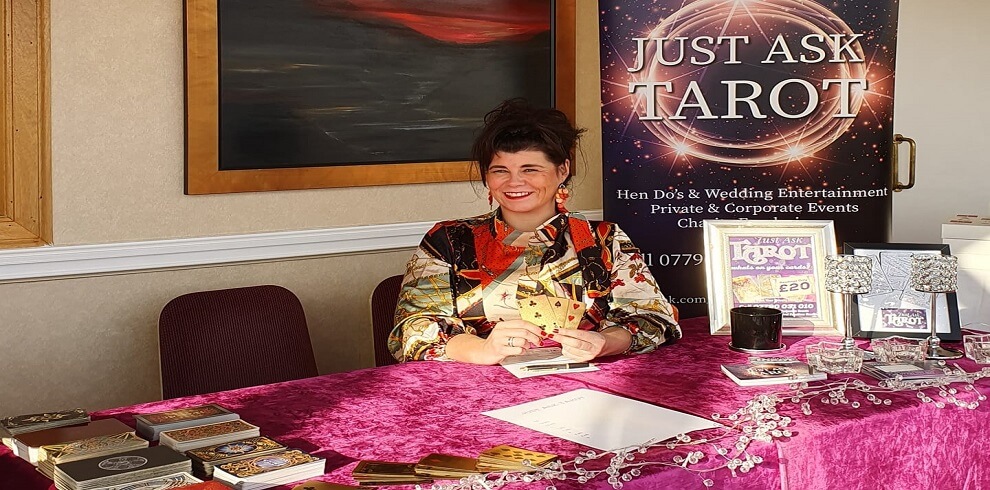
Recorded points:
(849,275)
(935,273)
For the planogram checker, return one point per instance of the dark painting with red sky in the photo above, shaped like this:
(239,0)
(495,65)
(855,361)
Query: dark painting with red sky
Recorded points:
(342,82)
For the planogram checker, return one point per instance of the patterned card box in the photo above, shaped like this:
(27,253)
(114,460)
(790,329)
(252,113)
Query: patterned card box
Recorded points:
(22,423)
(60,453)
(264,464)
(237,449)
(210,430)
(182,414)
(166,482)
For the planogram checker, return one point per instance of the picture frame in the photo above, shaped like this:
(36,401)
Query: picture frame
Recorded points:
(203,164)
(774,263)
(892,307)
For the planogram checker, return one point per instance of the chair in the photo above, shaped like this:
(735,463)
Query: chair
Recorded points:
(383,301)
(232,338)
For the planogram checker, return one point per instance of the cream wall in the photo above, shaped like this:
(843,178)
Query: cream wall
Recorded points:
(939,101)
(117,176)
(117,141)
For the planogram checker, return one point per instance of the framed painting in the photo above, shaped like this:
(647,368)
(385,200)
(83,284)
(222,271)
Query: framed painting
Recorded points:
(892,307)
(771,263)
(302,94)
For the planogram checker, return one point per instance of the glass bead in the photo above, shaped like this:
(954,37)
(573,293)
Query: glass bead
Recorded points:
(590,454)
(625,477)
(716,416)
(824,400)
(834,401)
(757,459)
(581,471)
(708,483)
(953,391)
(578,460)
(678,459)
(787,433)
(630,457)
(855,404)
(939,405)
(795,399)
(527,478)
(886,401)
(733,417)
(582,479)
(613,480)
(635,472)
(671,445)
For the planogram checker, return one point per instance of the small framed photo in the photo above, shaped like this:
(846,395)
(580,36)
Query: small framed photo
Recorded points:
(774,263)
(892,307)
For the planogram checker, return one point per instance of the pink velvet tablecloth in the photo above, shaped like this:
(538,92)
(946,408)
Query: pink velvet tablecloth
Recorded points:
(403,412)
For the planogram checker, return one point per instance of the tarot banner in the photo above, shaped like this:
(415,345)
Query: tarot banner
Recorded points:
(744,109)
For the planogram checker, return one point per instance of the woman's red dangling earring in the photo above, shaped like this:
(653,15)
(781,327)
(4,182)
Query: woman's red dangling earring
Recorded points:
(490,199)
(562,195)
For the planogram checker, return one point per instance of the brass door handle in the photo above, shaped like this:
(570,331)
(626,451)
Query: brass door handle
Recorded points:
(895,184)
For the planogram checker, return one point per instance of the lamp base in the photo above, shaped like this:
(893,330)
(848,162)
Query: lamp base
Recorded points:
(939,352)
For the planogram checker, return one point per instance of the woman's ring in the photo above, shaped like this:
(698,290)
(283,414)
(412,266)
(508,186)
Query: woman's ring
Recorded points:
(509,342)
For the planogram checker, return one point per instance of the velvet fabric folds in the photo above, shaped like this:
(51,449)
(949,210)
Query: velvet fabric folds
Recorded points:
(407,411)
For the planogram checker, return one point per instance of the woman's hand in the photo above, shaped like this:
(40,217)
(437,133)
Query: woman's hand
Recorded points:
(506,339)
(585,345)
(580,345)
(511,338)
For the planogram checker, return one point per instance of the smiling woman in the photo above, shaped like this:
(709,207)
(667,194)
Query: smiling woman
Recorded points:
(467,287)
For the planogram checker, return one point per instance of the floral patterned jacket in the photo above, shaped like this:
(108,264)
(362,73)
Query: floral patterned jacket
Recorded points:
(468,274)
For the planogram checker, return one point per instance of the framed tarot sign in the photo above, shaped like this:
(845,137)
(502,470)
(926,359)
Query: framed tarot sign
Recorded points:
(303,94)
(892,307)
(772,263)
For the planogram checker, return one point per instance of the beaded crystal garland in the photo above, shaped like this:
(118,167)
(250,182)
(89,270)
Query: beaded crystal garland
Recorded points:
(760,420)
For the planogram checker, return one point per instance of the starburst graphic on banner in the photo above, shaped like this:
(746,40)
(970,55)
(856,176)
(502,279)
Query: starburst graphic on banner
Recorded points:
(693,121)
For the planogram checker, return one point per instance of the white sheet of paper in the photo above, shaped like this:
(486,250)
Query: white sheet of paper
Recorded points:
(600,420)
(540,355)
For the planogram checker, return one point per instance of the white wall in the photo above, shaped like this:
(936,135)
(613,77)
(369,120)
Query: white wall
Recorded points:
(939,100)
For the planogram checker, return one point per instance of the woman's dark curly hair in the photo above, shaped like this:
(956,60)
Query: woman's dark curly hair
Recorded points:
(516,125)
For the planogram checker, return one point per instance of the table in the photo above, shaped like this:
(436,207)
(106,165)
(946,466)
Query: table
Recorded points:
(404,412)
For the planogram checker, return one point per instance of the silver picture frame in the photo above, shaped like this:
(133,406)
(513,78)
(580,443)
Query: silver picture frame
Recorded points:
(773,263)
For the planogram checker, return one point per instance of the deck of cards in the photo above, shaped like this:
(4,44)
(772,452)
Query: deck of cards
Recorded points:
(183,440)
(376,473)
(551,312)
(510,458)
(269,470)
(446,466)
(204,459)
